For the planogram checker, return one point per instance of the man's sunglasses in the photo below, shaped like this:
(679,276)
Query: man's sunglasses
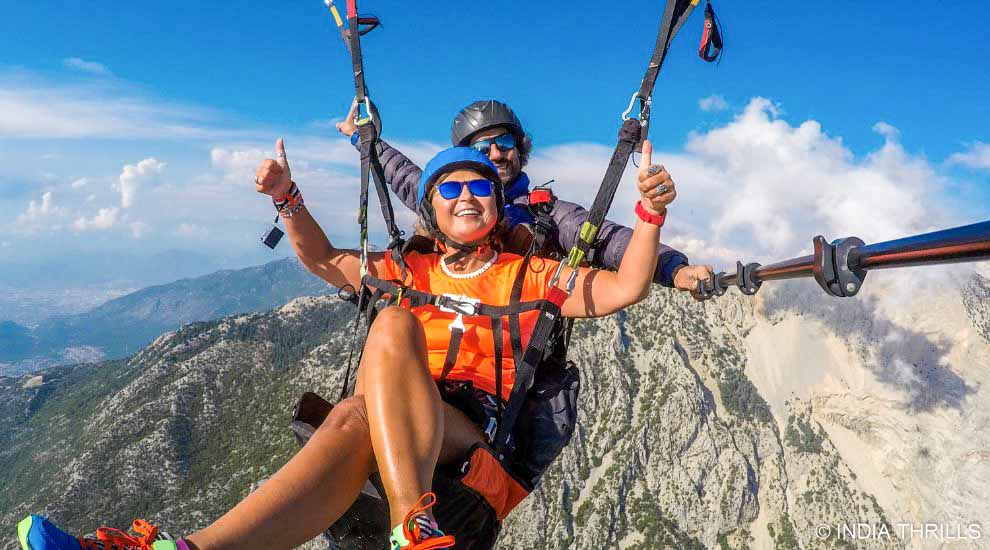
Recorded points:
(504,142)
(452,189)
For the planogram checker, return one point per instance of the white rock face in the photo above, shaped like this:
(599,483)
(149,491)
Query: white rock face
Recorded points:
(876,417)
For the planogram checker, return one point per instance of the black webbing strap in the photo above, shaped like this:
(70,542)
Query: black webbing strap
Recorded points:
(376,296)
(674,17)
(515,331)
(361,294)
(418,298)
(526,373)
(497,345)
(629,136)
(711,39)
(526,361)
(455,345)
(369,130)
(354,44)
(371,166)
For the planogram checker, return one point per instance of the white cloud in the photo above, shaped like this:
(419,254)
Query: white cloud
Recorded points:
(977,156)
(759,188)
(41,215)
(777,185)
(91,67)
(79,183)
(91,198)
(134,176)
(5,244)
(890,133)
(32,107)
(106,218)
(238,165)
(714,102)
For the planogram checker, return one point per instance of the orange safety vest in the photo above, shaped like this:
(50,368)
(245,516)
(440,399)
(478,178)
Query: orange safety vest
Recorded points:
(475,360)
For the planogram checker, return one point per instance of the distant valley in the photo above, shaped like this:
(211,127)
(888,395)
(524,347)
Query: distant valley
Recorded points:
(123,325)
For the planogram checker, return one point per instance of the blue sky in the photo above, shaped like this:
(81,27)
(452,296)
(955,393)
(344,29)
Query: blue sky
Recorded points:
(175,102)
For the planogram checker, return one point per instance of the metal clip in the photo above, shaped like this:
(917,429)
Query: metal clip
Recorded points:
(632,103)
(369,116)
(556,275)
(571,280)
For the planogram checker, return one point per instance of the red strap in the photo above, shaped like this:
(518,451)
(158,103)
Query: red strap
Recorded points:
(557,296)
(711,40)
(704,39)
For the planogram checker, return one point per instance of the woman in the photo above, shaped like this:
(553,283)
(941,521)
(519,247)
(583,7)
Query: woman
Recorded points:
(396,423)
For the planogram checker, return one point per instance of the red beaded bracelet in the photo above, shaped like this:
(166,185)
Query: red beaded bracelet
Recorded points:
(649,217)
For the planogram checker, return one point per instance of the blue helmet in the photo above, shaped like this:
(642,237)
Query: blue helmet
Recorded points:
(450,160)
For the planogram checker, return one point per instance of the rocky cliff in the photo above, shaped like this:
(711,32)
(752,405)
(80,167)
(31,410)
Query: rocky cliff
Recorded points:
(736,423)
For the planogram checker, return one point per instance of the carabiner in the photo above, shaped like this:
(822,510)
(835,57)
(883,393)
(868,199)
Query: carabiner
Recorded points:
(632,103)
(369,115)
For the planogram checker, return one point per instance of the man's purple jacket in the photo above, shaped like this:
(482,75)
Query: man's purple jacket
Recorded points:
(403,176)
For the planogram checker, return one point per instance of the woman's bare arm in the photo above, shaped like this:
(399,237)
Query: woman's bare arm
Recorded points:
(337,266)
(598,293)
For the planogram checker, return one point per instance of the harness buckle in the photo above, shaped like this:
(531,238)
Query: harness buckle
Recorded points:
(459,304)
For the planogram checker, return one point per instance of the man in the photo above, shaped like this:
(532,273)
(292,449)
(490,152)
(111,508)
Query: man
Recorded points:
(493,128)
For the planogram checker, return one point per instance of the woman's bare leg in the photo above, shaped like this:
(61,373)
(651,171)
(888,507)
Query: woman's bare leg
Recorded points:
(324,478)
(405,413)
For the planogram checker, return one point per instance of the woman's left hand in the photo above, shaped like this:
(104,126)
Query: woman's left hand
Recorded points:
(655,184)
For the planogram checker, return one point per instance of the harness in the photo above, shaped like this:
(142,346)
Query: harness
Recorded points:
(546,335)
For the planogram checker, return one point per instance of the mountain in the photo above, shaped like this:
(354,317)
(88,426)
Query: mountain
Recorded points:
(123,325)
(743,422)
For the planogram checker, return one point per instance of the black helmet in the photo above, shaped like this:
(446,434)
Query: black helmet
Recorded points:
(482,115)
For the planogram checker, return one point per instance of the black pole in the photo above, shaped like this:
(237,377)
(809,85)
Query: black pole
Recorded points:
(970,243)
(841,266)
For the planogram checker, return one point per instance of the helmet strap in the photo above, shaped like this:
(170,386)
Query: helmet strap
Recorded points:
(463,250)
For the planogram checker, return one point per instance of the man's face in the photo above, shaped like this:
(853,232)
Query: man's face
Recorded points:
(508,162)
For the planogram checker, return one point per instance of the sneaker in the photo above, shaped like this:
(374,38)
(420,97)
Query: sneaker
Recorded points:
(419,531)
(37,533)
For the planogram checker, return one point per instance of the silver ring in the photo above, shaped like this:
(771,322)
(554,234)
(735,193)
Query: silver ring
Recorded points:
(662,188)
(280,155)
(653,170)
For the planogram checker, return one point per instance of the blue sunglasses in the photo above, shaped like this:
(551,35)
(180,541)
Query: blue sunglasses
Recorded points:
(452,189)
(504,142)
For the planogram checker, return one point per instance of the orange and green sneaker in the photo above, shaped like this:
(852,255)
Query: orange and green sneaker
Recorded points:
(37,533)
(419,531)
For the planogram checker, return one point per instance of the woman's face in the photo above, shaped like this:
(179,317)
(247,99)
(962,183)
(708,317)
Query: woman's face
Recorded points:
(466,218)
